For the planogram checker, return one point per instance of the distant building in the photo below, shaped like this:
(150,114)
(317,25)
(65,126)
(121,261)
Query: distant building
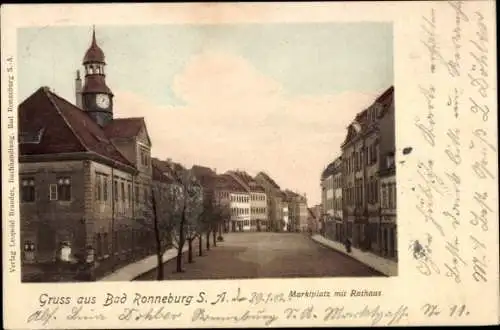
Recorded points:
(231,191)
(314,219)
(85,177)
(274,201)
(258,199)
(298,211)
(331,195)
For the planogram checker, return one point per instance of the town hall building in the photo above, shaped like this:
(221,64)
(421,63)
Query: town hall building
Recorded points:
(85,177)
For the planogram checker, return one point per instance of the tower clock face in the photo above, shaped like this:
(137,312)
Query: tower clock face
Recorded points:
(102,101)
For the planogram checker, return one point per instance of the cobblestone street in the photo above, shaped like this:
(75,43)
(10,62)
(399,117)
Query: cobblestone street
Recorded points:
(266,255)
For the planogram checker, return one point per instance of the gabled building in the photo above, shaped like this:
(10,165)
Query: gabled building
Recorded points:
(84,175)
(238,198)
(258,199)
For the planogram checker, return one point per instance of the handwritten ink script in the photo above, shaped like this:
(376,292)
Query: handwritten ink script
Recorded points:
(265,307)
(453,190)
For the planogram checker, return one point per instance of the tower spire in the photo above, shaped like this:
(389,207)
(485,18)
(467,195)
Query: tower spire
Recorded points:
(94,42)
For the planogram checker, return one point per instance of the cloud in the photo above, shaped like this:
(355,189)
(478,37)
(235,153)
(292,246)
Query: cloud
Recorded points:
(236,117)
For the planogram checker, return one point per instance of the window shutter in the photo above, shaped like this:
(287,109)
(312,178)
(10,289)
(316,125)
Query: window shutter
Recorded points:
(53,192)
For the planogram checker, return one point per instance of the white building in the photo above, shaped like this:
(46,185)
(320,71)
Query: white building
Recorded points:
(239,203)
(258,199)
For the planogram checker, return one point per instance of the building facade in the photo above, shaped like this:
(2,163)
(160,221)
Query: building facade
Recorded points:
(85,177)
(285,215)
(298,211)
(388,189)
(258,199)
(361,154)
(388,224)
(275,205)
(236,198)
(314,224)
(331,196)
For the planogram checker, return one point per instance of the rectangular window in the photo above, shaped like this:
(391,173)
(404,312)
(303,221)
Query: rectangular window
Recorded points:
(28,190)
(64,189)
(395,196)
(129,193)
(115,190)
(137,194)
(122,184)
(145,195)
(389,186)
(53,192)
(105,188)
(97,187)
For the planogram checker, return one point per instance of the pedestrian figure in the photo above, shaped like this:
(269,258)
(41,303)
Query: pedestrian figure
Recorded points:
(348,245)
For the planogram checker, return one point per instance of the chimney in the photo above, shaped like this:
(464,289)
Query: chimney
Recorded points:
(78,90)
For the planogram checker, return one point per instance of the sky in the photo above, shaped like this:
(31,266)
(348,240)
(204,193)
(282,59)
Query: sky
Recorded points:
(257,97)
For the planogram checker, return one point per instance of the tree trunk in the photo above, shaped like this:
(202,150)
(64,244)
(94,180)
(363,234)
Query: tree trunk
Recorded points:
(200,245)
(181,241)
(214,237)
(190,250)
(159,254)
(208,240)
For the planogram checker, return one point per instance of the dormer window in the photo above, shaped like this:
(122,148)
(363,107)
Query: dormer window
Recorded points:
(34,137)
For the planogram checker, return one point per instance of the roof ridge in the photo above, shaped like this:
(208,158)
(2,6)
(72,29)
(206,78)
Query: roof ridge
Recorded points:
(49,95)
(128,118)
(108,140)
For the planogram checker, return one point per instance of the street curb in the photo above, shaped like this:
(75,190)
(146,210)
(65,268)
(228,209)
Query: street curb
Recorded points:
(379,264)
(136,269)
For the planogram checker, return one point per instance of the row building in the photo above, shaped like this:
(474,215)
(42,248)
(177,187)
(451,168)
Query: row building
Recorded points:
(358,188)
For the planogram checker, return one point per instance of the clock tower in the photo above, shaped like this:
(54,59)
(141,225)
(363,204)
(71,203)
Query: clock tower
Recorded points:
(97,98)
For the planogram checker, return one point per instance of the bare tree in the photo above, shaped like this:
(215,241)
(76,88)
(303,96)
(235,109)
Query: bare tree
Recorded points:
(161,217)
(194,220)
(205,217)
(190,194)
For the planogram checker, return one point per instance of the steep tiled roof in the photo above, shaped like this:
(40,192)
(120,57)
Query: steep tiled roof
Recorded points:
(332,168)
(170,169)
(159,175)
(361,118)
(204,175)
(248,180)
(268,179)
(226,182)
(66,128)
(124,127)
(386,96)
